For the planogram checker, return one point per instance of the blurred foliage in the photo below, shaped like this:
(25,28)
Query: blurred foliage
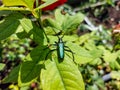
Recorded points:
(93,51)
(16,49)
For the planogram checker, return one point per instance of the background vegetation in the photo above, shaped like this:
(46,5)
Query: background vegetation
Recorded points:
(89,31)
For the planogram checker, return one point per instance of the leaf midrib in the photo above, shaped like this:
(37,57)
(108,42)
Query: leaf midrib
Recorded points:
(60,74)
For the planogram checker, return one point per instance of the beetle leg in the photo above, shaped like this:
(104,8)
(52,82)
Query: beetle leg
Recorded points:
(49,53)
(69,50)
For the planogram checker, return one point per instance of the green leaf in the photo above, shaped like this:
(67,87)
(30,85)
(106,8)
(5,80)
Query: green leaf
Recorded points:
(22,35)
(13,3)
(49,30)
(72,22)
(67,38)
(47,3)
(39,53)
(26,3)
(100,83)
(110,2)
(14,8)
(90,45)
(96,53)
(2,66)
(96,61)
(13,76)
(64,22)
(115,75)
(29,72)
(52,23)
(92,87)
(81,55)
(114,65)
(29,3)
(31,28)
(26,24)
(61,76)
(109,57)
(59,16)
(4,13)
(38,35)
(30,69)
(84,38)
(9,25)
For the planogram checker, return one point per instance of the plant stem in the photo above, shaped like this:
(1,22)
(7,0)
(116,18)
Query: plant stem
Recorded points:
(41,26)
(39,12)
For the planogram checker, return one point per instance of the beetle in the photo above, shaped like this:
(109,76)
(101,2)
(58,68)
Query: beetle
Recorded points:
(61,48)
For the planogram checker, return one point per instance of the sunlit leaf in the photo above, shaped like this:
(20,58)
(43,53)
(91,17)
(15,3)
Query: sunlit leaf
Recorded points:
(14,8)
(90,45)
(82,39)
(81,55)
(48,2)
(96,61)
(72,22)
(52,23)
(61,76)
(66,22)
(115,75)
(96,53)
(100,83)
(109,57)
(110,2)
(27,3)
(92,87)
(26,24)
(2,66)
(114,65)
(59,16)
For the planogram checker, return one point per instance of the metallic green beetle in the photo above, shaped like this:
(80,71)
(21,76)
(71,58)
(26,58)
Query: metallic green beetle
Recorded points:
(61,48)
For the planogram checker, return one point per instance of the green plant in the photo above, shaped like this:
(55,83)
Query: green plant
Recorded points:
(93,54)
(51,73)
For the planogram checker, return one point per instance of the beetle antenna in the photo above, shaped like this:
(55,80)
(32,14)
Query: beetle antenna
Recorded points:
(63,35)
(56,34)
